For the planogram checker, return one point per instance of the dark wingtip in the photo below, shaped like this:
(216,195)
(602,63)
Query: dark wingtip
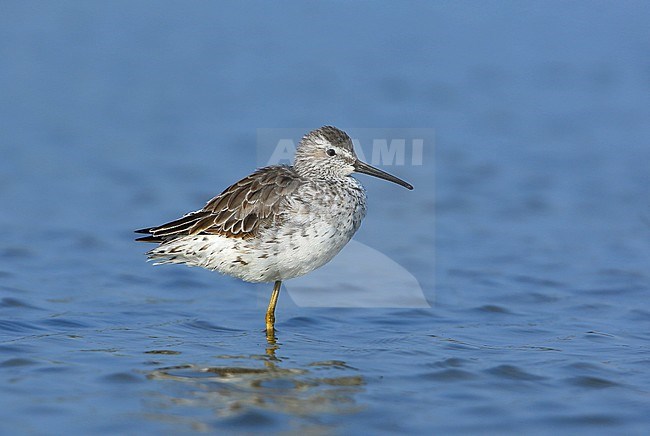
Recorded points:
(149,239)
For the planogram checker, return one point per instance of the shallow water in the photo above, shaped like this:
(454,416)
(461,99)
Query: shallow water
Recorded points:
(528,231)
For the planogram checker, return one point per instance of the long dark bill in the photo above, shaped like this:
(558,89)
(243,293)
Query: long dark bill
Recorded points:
(362,167)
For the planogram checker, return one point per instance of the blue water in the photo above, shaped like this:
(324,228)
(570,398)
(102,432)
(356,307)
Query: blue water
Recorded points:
(528,230)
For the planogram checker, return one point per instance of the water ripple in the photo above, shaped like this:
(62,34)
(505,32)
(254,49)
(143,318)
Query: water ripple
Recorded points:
(11,303)
(591,382)
(14,326)
(449,375)
(17,362)
(511,372)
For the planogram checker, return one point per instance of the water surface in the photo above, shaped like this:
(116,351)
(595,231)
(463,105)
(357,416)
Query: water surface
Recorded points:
(528,230)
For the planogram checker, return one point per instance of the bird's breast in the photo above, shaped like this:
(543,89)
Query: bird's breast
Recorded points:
(318,223)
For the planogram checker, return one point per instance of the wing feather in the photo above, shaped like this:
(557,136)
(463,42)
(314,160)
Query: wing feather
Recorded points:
(240,211)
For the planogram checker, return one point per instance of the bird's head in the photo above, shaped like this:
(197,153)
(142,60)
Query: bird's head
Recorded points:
(328,152)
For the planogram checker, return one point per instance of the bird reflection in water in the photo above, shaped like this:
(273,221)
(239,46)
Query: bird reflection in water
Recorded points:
(257,392)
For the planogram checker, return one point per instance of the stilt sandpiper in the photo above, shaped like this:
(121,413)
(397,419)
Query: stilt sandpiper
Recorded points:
(278,223)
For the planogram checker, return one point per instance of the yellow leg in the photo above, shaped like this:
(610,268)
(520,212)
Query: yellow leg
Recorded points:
(270,312)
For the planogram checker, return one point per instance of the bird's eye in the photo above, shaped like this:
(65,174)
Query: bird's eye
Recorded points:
(331,152)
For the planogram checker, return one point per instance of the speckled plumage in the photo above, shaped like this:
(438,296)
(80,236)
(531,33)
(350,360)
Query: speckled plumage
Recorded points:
(278,223)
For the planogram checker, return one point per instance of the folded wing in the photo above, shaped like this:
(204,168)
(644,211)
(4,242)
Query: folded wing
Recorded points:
(240,211)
